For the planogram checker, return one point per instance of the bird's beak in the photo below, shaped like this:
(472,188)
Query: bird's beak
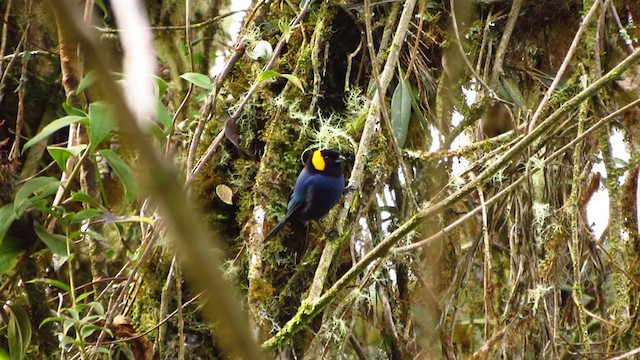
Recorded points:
(341,159)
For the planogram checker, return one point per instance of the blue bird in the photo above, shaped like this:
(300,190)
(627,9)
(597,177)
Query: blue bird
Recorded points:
(318,189)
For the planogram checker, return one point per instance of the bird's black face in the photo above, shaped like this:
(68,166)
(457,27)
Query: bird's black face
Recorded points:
(326,161)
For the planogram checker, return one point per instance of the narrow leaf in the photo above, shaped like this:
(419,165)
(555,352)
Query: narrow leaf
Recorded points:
(268,74)
(401,112)
(51,282)
(88,80)
(294,80)
(513,92)
(33,190)
(18,332)
(163,117)
(53,127)
(82,197)
(123,172)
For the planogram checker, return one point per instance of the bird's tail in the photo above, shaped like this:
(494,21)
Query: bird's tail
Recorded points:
(275,229)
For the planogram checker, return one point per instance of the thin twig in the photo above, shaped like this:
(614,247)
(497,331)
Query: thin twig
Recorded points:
(311,308)
(516,183)
(164,320)
(357,173)
(383,108)
(486,270)
(3,41)
(456,31)
(504,42)
(240,108)
(4,74)
(621,27)
(14,154)
(199,25)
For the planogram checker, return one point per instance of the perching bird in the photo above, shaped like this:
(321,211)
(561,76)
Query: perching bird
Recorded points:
(318,188)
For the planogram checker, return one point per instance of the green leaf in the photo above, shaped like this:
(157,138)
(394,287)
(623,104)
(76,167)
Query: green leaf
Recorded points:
(163,117)
(51,282)
(70,110)
(286,29)
(75,315)
(401,112)
(52,319)
(100,4)
(10,251)
(87,330)
(62,154)
(39,187)
(102,349)
(85,214)
(199,80)
(268,74)
(53,127)
(513,92)
(55,242)
(84,295)
(97,307)
(123,171)
(102,122)
(7,216)
(162,86)
(82,197)
(88,80)
(18,332)
(294,80)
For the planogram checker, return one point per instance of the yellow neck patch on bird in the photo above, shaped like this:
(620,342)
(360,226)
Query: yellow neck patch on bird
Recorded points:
(318,161)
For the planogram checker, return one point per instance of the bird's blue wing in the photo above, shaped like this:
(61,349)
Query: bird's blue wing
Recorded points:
(300,191)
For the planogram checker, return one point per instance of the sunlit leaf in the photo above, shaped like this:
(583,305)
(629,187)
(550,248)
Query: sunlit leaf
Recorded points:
(52,282)
(85,214)
(53,127)
(294,80)
(80,196)
(62,154)
(268,74)
(199,80)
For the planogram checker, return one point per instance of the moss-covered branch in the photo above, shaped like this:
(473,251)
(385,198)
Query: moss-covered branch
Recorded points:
(310,309)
